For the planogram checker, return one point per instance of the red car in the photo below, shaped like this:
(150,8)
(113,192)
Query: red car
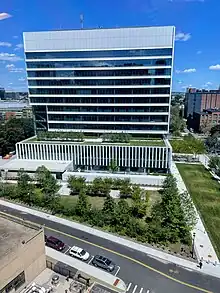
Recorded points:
(54,243)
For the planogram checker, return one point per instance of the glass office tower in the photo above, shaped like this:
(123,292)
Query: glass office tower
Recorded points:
(101,80)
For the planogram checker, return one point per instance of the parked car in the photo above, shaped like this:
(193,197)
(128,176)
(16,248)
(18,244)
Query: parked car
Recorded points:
(54,243)
(103,262)
(79,253)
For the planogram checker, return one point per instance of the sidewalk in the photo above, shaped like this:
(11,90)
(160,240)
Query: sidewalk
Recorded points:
(208,269)
(202,245)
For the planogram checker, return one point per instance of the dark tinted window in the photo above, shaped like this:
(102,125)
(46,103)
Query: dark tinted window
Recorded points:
(99,82)
(82,73)
(99,54)
(108,63)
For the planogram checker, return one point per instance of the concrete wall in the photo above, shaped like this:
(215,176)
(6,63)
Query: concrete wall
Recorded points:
(30,258)
(137,179)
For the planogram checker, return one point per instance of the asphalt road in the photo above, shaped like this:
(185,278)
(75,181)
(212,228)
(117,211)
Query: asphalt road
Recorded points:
(141,273)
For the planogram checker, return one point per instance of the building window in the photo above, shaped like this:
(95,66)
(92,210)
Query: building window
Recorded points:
(15,284)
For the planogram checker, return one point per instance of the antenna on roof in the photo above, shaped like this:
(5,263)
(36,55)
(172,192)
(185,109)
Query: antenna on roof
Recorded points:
(81,20)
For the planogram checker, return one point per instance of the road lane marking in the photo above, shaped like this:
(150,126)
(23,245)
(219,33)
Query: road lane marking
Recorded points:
(119,254)
(129,287)
(117,271)
(90,260)
(135,287)
(67,250)
(142,290)
(148,291)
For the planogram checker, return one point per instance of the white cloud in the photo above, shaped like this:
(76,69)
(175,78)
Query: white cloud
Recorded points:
(9,57)
(214,67)
(188,70)
(182,36)
(5,44)
(18,47)
(4,15)
(19,69)
(199,52)
(10,66)
(22,79)
(207,84)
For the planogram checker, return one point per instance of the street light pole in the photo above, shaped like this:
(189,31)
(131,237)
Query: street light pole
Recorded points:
(193,244)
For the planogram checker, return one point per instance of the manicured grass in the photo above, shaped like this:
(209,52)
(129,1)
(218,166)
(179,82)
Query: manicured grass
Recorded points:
(205,192)
(97,202)
(147,142)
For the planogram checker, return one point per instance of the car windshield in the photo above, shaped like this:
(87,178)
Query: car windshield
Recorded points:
(83,252)
(108,262)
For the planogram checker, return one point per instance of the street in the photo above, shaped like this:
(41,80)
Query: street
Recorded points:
(141,273)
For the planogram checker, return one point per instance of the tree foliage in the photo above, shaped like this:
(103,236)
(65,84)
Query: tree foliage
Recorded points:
(214,163)
(76,184)
(177,123)
(188,145)
(13,131)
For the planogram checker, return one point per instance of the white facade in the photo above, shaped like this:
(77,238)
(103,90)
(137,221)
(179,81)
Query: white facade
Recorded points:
(101,80)
(91,156)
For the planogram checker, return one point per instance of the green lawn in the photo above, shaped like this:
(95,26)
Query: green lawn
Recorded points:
(205,192)
(97,202)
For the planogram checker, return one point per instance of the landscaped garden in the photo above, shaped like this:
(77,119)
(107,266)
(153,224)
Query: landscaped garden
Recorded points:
(188,145)
(156,218)
(205,192)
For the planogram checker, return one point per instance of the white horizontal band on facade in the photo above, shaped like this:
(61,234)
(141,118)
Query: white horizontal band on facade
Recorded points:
(99,68)
(100,77)
(108,122)
(99,86)
(106,113)
(99,59)
(99,105)
(100,49)
(97,155)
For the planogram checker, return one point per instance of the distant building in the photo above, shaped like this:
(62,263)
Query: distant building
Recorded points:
(199,100)
(2,93)
(202,108)
(11,95)
(15,109)
(22,253)
(205,120)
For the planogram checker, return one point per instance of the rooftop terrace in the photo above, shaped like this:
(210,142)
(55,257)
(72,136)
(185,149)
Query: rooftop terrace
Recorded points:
(132,142)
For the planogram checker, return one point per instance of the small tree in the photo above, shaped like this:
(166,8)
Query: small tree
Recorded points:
(188,209)
(25,188)
(108,210)
(76,184)
(82,206)
(113,166)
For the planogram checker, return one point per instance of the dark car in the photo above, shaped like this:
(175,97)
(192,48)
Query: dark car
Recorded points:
(55,243)
(103,262)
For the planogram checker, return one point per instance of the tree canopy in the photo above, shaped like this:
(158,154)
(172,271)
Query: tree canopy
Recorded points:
(13,131)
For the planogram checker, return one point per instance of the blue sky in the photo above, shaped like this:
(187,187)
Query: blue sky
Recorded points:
(197,46)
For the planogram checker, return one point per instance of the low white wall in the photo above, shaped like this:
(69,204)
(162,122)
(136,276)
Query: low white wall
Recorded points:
(137,179)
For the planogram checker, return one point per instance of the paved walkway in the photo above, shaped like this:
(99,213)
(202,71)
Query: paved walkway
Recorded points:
(202,245)
(209,269)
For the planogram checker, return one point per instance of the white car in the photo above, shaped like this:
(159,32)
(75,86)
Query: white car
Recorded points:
(79,253)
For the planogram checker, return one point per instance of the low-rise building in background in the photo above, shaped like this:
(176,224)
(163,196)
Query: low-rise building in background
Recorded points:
(15,109)
(202,108)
